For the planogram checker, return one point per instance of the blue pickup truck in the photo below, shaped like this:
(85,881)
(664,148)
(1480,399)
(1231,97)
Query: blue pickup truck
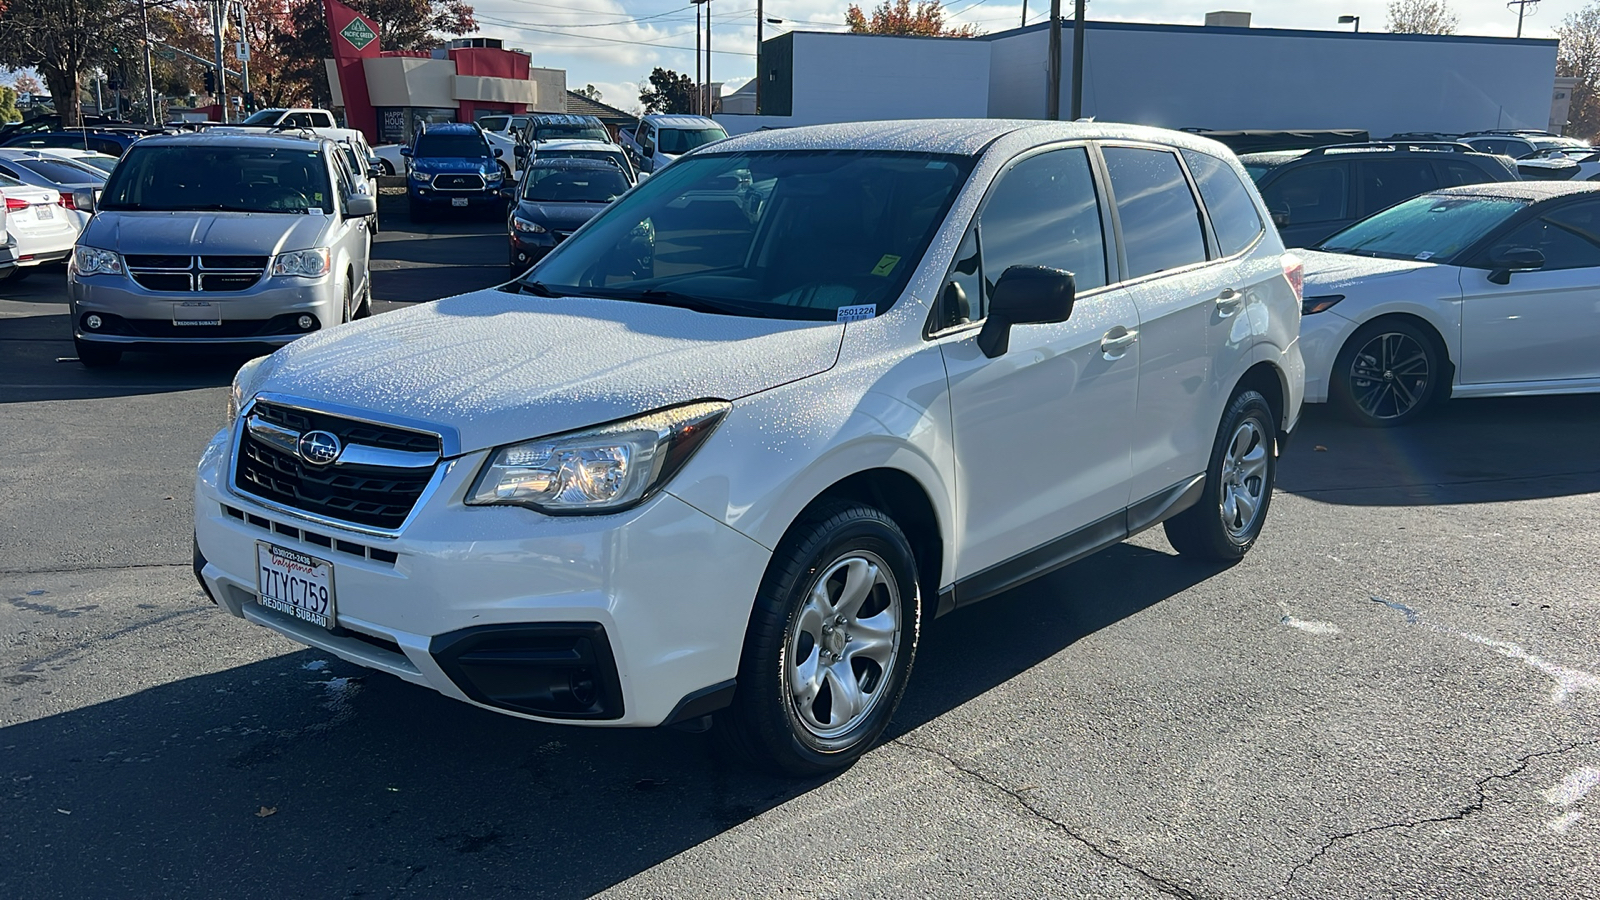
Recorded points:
(452,166)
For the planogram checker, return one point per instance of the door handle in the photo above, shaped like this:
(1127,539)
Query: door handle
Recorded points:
(1117,341)
(1228,302)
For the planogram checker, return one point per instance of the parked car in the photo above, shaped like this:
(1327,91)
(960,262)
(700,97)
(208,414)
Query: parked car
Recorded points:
(1477,291)
(391,159)
(1318,192)
(8,248)
(562,127)
(604,151)
(555,198)
(365,166)
(660,139)
(722,453)
(221,238)
(504,133)
(452,166)
(1519,144)
(41,231)
(1561,164)
(76,183)
(105,162)
(107,140)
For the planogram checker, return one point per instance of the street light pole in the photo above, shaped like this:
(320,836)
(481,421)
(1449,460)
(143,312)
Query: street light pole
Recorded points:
(711,107)
(1347,20)
(761,17)
(149,69)
(1522,10)
(244,44)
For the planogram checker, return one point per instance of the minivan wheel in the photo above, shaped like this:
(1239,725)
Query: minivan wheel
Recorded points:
(1224,525)
(364,308)
(1388,373)
(830,643)
(97,356)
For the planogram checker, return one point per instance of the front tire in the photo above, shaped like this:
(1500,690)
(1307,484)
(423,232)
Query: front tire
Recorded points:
(831,640)
(96,356)
(1389,373)
(1224,525)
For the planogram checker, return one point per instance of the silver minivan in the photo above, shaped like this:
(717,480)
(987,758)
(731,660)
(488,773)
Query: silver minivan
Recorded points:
(221,239)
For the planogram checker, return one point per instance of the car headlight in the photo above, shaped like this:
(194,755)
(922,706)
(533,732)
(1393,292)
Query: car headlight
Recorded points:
(243,389)
(494,177)
(421,177)
(309,263)
(597,470)
(526,227)
(91,261)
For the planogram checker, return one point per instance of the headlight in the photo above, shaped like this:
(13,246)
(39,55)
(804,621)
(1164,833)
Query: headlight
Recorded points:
(598,470)
(526,227)
(421,177)
(243,388)
(310,263)
(90,261)
(492,177)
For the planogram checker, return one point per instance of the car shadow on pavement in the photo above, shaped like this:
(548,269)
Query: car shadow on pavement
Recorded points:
(1467,451)
(304,776)
(38,363)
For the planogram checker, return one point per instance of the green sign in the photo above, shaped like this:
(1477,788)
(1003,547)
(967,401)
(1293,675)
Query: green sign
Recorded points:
(358,34)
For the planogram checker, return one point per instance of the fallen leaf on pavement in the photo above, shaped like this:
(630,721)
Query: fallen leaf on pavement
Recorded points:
(1320,449)
(265,811)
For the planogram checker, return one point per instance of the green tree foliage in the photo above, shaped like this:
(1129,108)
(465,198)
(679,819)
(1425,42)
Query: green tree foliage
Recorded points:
(63,40)
(8,105)
(668,92)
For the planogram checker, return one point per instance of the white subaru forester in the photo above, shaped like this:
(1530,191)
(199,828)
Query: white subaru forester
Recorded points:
(720,454)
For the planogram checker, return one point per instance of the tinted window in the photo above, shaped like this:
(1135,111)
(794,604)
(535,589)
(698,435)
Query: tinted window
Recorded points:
(1385,182)
(571,132)
(1568,237)
(62,172)
(263,117)
(681,140)
(1453,173)
(553,184)
(321,120)
(1043,212)
(1433,227)
(1309,195)
(452,145)
(239,179)
(962,297)
(1160,221)
(614,157)
(1233,212)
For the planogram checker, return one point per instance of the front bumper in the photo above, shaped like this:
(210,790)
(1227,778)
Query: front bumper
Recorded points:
(527,249)
(267,313)
(660,595)
(476,199)
(1322,336)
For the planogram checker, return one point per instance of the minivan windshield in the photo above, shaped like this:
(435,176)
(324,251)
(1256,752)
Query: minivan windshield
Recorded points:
(1432,227)
(570,132)
(438,146)
(678,141)
(573,184)
(168,177)
(781,234)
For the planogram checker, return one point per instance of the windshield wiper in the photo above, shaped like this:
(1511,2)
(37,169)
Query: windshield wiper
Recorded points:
(536,288)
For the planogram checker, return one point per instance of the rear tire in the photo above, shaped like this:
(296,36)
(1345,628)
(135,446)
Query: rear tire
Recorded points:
(1389,373)
(96,356)
(830,644)
(1224,524)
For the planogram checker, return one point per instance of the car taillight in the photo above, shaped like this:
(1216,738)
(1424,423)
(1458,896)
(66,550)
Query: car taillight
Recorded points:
(67,201)
(1295,271)
(13,204)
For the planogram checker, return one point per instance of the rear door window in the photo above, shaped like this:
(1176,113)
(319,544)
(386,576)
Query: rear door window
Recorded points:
(1385,182)
(1453,173)
(1310,195)
(1160,220)
(1233,212)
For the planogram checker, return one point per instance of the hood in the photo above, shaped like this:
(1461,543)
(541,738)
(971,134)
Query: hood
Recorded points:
(1333,271)
(560,216)
(502,367)
(191,233)
(454,164)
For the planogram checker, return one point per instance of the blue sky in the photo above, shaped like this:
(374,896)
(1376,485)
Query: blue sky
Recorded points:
(614,44)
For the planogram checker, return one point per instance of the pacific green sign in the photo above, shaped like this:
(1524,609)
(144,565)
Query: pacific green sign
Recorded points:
(358,34)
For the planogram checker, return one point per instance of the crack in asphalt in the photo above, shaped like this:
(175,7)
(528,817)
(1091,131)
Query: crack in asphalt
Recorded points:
(110,567)
(1475,806)
(1154,881)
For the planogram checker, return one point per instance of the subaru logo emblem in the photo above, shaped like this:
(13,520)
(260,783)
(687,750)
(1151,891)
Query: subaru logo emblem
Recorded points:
(319,448)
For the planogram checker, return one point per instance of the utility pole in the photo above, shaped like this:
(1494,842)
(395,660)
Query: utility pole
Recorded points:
(1522,10)
(244,57)
(1077,59)
(760,18)
(1052,93)
(1024,14)
(711,105)
(99,98)
(149,71)
(698,91)
(222,69)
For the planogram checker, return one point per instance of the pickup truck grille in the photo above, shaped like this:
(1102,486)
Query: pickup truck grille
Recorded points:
(188,274)
(348,490)
(458,182)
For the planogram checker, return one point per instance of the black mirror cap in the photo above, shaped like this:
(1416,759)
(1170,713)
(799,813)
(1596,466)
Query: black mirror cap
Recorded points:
(520,151)
(1025,295)
(1516,259)
(498,152)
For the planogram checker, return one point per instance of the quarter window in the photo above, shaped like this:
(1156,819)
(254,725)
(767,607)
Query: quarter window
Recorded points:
(1043,212)
(1385,182)
(1160,220)
(1233,212)
(1310,195)
(1568,237)
(1454,174)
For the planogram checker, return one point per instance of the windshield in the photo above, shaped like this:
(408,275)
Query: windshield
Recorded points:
(235,179)
(263,117)
(452,145)
(60,171)
(678,141)
(611,156)
(782,234)
(563,184)
(1430,227)
(570,132)
(494,123)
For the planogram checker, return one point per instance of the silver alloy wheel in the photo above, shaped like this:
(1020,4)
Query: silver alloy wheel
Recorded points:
(1389,375)
(843,645)
(1244,479)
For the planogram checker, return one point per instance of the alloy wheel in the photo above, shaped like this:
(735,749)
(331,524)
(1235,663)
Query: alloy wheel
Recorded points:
(1389,375)
(843,645)
(1244,478)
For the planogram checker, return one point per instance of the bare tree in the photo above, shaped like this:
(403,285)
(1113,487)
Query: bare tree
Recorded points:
(1422,17)
(1579,57)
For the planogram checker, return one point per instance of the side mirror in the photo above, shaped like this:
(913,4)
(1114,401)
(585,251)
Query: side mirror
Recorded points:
(499,153)
(405,151)
(1025,295)
(1280,219)
(375,164)
(643,177)
(1516,259)
(361,205)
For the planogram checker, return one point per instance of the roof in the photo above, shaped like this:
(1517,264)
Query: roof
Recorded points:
(1524,190)
(1271,157)
(578,104)
(449,128)
(575,144)
(560,118)
(960,137)
(571,162)
(279,140)
(1270,32)
(677,120)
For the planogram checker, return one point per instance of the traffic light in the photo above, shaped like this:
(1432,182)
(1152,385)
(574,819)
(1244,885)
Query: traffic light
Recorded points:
(210,81)
(249,101)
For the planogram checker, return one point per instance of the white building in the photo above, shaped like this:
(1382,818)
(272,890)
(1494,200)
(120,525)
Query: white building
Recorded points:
(1175,76)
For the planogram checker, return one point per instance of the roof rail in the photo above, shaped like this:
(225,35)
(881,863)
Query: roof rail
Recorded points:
(1511,132)
(1425,146)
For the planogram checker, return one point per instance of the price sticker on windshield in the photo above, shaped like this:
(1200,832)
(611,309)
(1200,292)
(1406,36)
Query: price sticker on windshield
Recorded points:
(857,313)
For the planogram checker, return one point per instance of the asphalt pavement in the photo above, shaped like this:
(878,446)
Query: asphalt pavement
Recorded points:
(1396,695)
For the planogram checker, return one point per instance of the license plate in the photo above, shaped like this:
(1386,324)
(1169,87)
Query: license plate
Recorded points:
(458,201)
(44,212)
(196,312)
(295,584)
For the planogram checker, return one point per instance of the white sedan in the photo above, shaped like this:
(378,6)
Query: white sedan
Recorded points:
(41,230)
(1480,291)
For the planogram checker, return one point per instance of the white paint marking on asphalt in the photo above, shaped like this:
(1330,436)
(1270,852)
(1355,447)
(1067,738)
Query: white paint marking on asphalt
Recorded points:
(316,665)
(1561,823)
(1568,681)
(1577,785)
(1311,626)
